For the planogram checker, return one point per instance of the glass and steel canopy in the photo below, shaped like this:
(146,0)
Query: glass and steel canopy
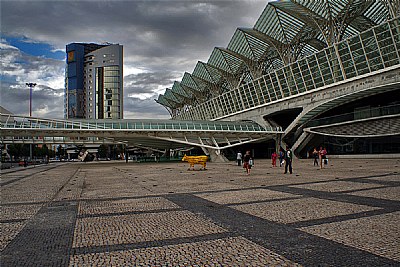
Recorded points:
(287,31)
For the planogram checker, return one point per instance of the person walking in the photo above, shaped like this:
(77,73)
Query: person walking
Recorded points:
(315,156)
(288,160)
(281,157)
(239,158)
(246,160)
(274,156)
(322,156)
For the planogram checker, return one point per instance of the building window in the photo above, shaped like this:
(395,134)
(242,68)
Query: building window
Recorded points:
(71,56)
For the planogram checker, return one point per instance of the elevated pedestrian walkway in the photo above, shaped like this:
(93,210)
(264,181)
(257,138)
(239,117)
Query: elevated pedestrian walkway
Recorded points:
(164,134)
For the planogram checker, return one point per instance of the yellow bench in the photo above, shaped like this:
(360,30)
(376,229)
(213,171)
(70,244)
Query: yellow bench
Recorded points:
(202,160)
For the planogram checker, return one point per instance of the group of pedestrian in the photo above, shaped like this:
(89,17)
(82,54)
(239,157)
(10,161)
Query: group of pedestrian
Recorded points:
(320,157)
(248,161)
(285,157)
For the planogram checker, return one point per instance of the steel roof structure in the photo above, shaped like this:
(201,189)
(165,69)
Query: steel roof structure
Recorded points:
(285,32)
(156,134)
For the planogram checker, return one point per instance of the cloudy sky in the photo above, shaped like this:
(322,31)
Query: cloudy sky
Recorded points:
(161,39)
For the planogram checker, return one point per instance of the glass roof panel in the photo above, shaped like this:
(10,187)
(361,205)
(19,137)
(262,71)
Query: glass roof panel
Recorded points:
(161,99)
(308,50)
(318,7)
(268,23)
(171,99)
(189,82)
(291,25)
(201,71)
(215,73)
(376,12)
(350,31)
(240,45)
(180,98)
(177,89)
(233,61)
(218,60)
(169,95)
(200,83)
(258,46)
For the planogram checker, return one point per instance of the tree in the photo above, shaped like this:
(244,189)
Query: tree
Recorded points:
(45,150)
(15,150)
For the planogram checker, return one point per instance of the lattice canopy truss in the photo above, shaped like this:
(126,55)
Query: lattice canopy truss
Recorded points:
(285,32)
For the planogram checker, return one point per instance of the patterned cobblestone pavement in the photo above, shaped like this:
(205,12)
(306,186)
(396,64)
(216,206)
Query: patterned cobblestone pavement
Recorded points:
(160,214)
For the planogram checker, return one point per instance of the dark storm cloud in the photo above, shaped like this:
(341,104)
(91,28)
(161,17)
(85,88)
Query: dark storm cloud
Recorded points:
(147,29)
(163,39)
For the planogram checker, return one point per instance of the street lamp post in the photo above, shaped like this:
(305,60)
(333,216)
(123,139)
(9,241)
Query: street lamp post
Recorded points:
(30,85)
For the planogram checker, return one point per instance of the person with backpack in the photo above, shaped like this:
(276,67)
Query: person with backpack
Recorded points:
(288,160)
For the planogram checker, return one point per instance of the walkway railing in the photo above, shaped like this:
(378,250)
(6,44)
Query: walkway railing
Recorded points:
(367,52)
(20,122)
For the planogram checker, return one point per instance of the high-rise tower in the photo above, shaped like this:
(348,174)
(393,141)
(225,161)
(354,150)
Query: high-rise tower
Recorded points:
(94,81)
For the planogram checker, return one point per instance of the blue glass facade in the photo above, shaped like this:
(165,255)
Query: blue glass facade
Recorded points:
(74,81)
(75,92)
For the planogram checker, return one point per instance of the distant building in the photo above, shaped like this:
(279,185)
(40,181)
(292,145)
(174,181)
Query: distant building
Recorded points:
(94,81)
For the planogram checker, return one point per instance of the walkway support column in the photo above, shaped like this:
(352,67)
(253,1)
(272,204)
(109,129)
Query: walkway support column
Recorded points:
(215,155)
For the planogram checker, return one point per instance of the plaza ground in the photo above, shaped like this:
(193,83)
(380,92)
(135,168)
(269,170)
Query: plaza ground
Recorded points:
(161,214)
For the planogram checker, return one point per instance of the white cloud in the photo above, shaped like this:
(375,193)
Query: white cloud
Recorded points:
(128,70)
